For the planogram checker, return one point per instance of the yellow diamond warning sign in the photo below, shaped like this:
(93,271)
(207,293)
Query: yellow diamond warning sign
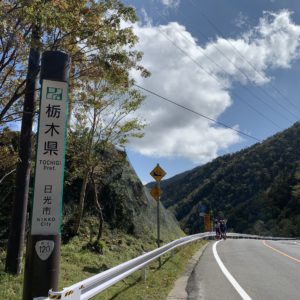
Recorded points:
(156,192)
(158,173)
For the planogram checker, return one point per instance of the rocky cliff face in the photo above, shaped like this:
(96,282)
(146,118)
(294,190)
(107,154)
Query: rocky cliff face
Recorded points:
(126,203)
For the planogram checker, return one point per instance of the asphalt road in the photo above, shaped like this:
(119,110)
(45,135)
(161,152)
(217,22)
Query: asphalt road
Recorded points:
(256,270)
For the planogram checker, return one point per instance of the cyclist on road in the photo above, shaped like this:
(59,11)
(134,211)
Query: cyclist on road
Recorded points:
(223,228)
(220,226)
(217,228)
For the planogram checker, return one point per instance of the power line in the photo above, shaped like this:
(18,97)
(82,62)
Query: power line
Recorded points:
(246,88)
(237,96)
(249,63)
(197,113)
(252,82)
(217,80)
(244,74)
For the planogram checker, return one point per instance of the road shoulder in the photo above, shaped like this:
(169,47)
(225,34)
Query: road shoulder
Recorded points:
(179,291)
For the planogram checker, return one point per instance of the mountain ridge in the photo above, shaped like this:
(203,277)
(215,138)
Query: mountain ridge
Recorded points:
(252,187)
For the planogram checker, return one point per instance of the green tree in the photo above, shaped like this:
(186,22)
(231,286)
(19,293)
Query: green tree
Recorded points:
(89,31)
(296,187)
(103,119)
(8,153)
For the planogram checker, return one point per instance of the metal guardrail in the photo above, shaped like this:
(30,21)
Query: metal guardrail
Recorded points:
(92,286)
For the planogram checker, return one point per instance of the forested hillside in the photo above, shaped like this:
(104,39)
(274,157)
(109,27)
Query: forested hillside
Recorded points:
(126,204)
(257,188)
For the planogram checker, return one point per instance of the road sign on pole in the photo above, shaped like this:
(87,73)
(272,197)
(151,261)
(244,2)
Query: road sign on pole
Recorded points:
(158,173)
(43,249)
(156,192)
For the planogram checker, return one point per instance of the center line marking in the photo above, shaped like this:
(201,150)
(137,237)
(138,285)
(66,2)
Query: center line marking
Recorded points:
(231,279)
(280,252)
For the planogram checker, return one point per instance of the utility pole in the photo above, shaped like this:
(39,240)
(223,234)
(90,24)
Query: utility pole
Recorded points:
(43,244)
(18,222)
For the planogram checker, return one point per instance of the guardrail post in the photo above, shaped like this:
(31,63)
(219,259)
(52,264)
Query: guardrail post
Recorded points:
(144,274)
(173,252)
(144,271)
(65,294)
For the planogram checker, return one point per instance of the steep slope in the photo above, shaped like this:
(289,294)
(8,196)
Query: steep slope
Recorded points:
(252,187)
(126,203)
(129,206)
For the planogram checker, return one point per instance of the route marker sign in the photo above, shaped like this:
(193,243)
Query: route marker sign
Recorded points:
(158,173)
(44,249)
(156,192)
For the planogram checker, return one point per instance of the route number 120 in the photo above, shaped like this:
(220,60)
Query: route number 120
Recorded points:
(44,249)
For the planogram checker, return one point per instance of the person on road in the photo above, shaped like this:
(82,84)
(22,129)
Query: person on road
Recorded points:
(217,228)
(220,226)
(223,228)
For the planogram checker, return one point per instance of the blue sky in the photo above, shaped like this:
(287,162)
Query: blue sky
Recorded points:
(218,58)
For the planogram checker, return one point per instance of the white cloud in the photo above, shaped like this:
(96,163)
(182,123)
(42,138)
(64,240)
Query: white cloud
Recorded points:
(145,18)
(173,131)
(171,3)
(241,20)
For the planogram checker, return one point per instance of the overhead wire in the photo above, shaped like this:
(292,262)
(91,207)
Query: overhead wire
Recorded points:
(197,113)
(243,73)
(253,84)
(218,81)
(222,85)
(250,64)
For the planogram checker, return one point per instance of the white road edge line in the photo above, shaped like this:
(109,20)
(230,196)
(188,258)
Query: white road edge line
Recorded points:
(231,279)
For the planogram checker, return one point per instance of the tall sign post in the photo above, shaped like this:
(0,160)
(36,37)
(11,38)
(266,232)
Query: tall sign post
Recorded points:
(157,173)
(211,220)
(43,245)
(207,222)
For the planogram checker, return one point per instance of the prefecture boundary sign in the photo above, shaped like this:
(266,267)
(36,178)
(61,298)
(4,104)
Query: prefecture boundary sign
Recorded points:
(49,173)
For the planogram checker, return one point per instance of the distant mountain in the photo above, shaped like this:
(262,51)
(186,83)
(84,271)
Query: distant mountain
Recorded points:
(256,188)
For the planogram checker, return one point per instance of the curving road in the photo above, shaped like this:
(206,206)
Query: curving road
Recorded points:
(253,269)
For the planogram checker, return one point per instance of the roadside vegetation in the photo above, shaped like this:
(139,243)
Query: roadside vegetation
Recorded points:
(102,100)
(80,260)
